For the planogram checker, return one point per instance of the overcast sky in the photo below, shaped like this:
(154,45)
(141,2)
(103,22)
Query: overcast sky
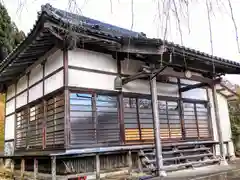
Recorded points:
(148,19)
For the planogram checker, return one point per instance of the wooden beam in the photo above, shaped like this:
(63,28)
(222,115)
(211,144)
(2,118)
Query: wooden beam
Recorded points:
(193,86)
(133,77)
(220,90)
(230,96)
(172,73)
(199,85)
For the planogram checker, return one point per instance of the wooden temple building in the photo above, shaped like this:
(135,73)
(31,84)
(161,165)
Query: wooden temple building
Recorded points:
(86,97)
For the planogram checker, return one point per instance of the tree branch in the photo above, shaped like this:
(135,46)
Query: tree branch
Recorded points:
(234,23)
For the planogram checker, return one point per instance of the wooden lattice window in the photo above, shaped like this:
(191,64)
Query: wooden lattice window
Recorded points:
(21,129)
(138,120)
(94,119)
(196,120)
(55,122)
(35,127)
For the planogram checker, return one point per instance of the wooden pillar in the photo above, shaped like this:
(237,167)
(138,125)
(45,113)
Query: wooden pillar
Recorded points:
(35,168)
(181,113)
(140,167)
(120,103)
(53,166)
(210,123)
(12,163)
(22,168)
(66,99)
(156,122)
(130,164)
(219,126)
(97,167)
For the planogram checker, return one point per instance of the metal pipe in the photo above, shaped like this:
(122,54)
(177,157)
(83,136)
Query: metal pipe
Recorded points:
(159,158)
(218,123)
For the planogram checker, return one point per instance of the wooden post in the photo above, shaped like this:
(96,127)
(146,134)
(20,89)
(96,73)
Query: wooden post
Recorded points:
(97,167)
(22,168)
(130,164)
(219,126)
(140,167)
(12,163)
(35,166)
(156,123)
(54,168)
(66,99)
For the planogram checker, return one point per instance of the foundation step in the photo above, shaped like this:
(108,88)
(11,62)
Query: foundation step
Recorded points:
(179,157)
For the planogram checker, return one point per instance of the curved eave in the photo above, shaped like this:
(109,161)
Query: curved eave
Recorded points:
(37,43)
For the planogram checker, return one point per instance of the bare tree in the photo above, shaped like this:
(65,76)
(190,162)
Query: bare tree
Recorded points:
(168,11)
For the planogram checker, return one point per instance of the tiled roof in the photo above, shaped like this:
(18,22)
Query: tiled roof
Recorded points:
(118,33)
(40,40)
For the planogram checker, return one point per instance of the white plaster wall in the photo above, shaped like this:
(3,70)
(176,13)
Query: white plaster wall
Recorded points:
(9,127)
(22,84)
(54,82)
(225,122)
(199,93)
(10,106)
(92,60)
(143,87)
(130,66)
(187,81)
(84,79)
(10,91)
(36,74)
(224,117)
(21,99)
(137,86)
(54,62)
(36,92)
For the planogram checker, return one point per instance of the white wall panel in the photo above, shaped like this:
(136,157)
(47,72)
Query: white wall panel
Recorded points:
(165,89)
(92,60)
(54,82)
(130,66)
(143,87)
(36,92)
(36,74)
(85,79)
(225,122)
(224,118)
(10,91)
(187,81)
(198,93)
(137,86)
(9,127)
(21,99)
(10,106)
(54,62)
(22,84)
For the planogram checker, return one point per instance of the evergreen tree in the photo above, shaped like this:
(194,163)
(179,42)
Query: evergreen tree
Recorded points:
(10,36)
